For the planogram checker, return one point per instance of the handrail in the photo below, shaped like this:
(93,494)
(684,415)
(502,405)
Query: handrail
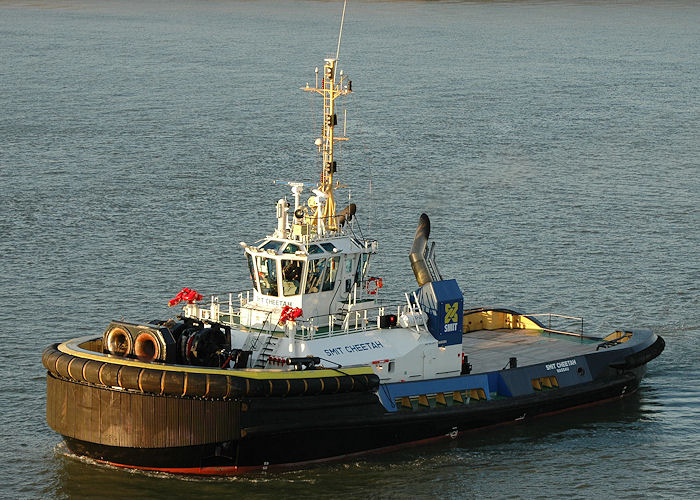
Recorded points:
(564,316)
(555,314)
(212,308)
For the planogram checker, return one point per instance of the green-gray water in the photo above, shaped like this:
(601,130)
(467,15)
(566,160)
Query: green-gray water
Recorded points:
(555,146)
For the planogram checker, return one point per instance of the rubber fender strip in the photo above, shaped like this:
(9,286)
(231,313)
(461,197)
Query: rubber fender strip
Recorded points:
(139,381)
(49,357)
(75,368)
(70,362)
(185,383)
(99,373)
(91,372)
(642,357)
(62,365)
(229,387)
(72,348)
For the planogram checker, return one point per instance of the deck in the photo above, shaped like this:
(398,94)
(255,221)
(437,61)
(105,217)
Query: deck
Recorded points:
(490,350)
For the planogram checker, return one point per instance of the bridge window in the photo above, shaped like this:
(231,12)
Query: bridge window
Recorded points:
(315,275)
(273,245)
(330,247)
(331,274)
(267,275)
(361,268)
(291,248)
(292,271)
(251,268)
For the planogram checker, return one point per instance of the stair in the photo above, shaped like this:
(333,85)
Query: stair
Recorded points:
(267,350)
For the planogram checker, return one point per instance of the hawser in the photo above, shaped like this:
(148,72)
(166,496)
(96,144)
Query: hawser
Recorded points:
(309,364)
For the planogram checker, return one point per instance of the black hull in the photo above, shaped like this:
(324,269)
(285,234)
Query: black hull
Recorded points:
(327,427)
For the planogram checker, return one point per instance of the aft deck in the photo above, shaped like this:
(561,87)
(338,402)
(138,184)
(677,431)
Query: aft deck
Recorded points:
(491,350)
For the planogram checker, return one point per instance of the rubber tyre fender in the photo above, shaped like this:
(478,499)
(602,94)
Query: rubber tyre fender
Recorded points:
(129,377)
(297,387)
(195,385)
(150,381)
(314,386)
(75,369)
(109,375)
(279,387)
(347,383)
(217,386)
(49,358)
(62,365)
(173,383)
(91,372)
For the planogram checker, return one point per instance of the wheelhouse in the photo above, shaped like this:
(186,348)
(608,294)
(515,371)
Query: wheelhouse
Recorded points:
(283,269)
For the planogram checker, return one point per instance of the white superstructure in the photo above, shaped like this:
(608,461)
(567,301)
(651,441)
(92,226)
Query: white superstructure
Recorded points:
(312,295)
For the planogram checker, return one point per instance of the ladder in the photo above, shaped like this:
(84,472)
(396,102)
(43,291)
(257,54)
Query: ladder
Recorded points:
(269,347)
(429,256)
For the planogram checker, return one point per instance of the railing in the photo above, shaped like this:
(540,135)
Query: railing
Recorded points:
(211,308)
(345,323)
(549,328)
(216,309)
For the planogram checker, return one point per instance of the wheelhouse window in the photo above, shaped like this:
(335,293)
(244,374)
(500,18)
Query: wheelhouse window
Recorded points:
(361,268)
(291,248)
(273,245)
(251,268)
(330,247)
(331,273)
(267,275)
(292,272)
(315,275)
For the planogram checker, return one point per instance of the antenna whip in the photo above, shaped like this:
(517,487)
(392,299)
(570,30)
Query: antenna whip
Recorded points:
(342,19)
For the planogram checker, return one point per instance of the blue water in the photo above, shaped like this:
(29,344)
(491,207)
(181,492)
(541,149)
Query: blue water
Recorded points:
(554,145)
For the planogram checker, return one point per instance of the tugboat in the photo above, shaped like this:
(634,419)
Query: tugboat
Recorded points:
(309,364)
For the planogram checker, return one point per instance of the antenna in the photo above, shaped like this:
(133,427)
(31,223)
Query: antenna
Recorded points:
(331,89)
(342,19)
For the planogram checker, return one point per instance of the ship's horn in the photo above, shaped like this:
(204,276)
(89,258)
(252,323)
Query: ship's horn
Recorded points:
(346,214)
(420,242)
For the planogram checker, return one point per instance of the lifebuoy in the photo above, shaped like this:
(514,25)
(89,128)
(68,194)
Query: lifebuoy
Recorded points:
(373,285)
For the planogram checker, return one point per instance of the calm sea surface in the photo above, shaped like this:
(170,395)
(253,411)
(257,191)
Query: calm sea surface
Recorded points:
(555,146)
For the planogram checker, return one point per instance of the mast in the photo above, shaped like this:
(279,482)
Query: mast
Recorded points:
(330,89)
